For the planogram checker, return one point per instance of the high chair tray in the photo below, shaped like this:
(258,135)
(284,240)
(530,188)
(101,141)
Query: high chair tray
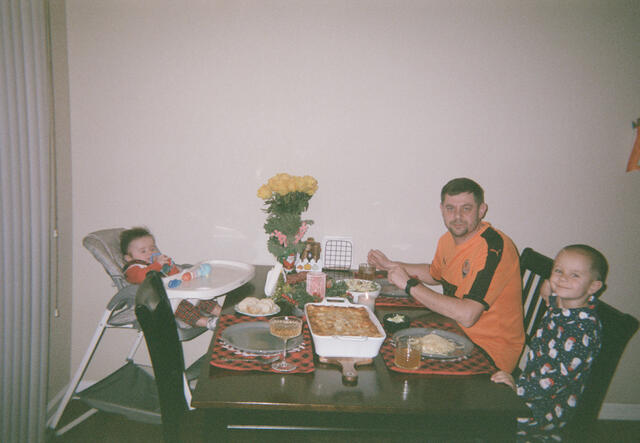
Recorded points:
(225,276)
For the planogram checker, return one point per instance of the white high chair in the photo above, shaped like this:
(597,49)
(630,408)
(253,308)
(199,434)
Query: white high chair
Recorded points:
(131,389)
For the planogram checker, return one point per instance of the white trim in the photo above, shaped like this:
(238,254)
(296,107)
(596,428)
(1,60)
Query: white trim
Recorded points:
(620,411)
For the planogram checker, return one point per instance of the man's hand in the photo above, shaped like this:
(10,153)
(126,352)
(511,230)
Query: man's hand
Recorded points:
(379,260)
(504,377)
(398,276)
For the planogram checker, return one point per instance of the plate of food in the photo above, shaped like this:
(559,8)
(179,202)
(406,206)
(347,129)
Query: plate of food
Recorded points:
(356,286)
(439,344)
(257,307)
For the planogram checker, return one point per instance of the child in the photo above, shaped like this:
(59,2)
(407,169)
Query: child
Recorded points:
(564,346)
(139,249)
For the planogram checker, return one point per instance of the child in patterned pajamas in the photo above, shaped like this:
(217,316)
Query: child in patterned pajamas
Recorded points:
(139,249)
(564,346)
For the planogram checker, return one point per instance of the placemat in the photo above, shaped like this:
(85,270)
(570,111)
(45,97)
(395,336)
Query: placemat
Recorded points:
(476,363)
(302,356)
(398,302)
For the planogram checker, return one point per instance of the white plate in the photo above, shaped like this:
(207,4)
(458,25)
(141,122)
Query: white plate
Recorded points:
(255,337)
(256,315)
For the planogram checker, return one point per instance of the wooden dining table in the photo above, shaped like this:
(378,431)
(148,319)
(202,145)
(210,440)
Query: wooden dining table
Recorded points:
(380,405)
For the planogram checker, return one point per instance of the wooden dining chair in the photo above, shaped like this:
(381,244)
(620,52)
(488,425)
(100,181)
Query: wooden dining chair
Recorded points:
(617,330)
(156,318)
(535,268)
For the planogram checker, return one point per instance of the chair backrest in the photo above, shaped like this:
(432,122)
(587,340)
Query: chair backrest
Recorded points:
(617,330)
(157,321)
(104,245)
(535,268)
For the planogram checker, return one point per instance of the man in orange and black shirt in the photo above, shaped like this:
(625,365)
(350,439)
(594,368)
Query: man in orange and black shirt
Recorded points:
(479,270)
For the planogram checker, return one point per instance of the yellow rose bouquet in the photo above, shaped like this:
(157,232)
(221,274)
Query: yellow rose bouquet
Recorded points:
(286,197)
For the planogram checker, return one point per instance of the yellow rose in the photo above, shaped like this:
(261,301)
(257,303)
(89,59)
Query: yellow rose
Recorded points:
(283,176)
(272,181)
(279,187)
(310,184)
(283,183)
(264,192)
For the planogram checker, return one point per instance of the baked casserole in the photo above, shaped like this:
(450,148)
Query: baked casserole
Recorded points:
(340,320)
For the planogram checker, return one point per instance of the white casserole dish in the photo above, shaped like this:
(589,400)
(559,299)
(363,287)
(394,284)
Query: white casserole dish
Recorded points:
(342,345)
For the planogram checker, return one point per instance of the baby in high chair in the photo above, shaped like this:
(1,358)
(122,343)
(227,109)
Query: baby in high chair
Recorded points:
(138,246)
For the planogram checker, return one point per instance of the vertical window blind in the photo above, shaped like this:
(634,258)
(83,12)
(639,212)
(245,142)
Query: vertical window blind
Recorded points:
(25,117)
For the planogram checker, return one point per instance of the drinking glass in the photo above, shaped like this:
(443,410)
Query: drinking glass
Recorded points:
(285,327)
(408,352)
(366,271)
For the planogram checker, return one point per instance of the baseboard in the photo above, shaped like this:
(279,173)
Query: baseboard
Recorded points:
(620,411)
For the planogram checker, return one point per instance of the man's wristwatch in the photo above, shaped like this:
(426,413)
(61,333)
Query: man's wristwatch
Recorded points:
(410,284)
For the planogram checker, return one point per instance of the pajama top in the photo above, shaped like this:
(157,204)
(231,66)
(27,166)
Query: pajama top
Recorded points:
(559,362)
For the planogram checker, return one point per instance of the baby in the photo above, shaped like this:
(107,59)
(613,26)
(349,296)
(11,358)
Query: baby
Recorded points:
(138,246)
(564,346)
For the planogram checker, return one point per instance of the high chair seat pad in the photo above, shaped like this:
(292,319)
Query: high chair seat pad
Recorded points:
(123,304)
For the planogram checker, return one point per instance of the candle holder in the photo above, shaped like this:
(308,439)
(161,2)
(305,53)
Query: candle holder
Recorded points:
(317,284)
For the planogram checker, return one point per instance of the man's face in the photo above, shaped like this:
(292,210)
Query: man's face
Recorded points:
(141,249)
(462,215)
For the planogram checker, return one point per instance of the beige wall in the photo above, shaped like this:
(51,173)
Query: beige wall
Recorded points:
(181,110)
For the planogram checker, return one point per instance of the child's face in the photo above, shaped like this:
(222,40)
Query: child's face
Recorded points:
(141,249)
(572,279)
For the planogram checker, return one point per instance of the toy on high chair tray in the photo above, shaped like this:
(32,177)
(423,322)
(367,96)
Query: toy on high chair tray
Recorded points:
(201,271)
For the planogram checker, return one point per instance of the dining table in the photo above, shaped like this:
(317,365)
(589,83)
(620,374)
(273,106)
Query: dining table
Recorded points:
(381,403)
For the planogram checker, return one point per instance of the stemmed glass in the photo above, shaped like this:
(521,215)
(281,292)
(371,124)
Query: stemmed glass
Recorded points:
(285,327)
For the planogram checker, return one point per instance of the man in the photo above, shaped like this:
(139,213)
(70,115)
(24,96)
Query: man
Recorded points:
(479,270)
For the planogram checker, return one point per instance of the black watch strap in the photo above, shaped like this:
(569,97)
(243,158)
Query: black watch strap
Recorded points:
(410,284)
